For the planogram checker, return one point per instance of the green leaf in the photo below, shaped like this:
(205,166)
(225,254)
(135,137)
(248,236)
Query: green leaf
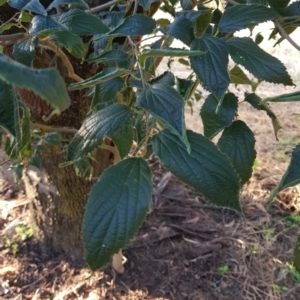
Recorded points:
(123,139)
(114,58)
(73,3)
(172,52)
(72,42)
(53,138)
(188,4)
(258,62)
(237,76)
(291,176)
(82,23)
(47,83)
(202,23)
(242,16)
(2,2)
(31,5)
(184,62)
(24,51)
(182,28)
(106,93)
(296,255)
(43,23)
(134,25)
(255,101)
(103,76)
(278,5)
(165,104)
(94,129)
(166,78)
(237,142)
(214,122)
(7,107)
(290,97)
(206,169)
(211,68)
(117,206)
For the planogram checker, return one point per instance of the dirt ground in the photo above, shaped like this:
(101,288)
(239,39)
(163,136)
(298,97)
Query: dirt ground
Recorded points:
(186,249)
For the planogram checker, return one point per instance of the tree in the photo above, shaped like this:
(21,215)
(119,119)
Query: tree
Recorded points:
(79,91)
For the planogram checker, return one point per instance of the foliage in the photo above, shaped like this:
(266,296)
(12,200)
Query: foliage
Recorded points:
(140,109)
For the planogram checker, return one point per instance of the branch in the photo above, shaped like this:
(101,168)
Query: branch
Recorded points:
(64,58)
(50,128)
(14,37)
(285,35)
(103,6)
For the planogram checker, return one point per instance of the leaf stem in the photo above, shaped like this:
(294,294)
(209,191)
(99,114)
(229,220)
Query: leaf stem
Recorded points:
(131,42)
(64,58)
(103,6)
(285,35)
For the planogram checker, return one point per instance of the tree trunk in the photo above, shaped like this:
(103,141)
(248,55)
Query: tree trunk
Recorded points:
(58,195)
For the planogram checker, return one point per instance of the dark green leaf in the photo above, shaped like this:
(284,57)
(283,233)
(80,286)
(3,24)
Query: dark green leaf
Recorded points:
(72,42)
(80,22)
(211,68)
(31,5)
(237,76)
(278,5)
(242,16)
(291,176)
(53,138)
(73,3)
(237,142)
(166,78)
(134,25)
(117,206)
(114,58)
(83,168)
(202,23)
(123,139)
(182,28)
(106,93)
(206,169)
(172,52)
(213,123)
(24,51)
(292,10)
(165,104)
(47,83)
(43,23)
(255,101)
(7,107)
(103,76)
(95,128)
(183,86)
(258,62)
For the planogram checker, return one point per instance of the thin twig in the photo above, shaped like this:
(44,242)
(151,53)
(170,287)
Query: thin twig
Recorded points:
(136,5)
(50,128)
(103,6)
(285,35)
(138,63)
(64,58)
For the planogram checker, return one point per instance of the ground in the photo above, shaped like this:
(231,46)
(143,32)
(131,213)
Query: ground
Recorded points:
(186,248)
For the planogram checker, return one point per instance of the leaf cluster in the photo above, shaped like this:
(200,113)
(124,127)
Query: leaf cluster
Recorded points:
(140,110)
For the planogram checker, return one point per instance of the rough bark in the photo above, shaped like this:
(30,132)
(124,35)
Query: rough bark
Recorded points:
(58,196)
